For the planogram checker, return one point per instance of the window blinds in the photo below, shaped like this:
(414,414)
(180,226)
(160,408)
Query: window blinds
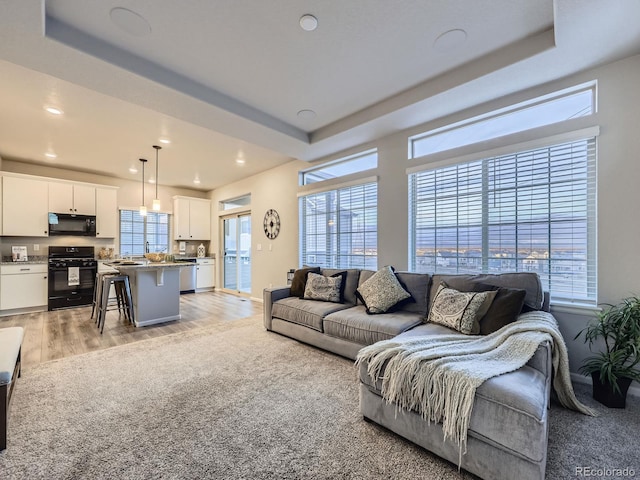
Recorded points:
(339,227)
(532,211)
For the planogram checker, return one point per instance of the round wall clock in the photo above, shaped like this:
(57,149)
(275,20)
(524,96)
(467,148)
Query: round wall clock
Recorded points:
(271,223)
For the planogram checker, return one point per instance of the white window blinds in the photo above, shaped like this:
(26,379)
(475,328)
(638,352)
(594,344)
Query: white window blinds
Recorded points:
(338,228)
(527,211)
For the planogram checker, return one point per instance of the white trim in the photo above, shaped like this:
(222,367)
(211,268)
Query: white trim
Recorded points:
(336,184)
(516,142)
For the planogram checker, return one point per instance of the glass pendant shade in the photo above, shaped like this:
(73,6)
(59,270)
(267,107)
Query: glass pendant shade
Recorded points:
(143,211)
(156,204)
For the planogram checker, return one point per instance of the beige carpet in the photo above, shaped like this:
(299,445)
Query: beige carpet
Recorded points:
(232,402)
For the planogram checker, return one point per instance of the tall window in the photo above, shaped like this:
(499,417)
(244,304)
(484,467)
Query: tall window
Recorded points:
(526,211)
(339,227)
(140,234)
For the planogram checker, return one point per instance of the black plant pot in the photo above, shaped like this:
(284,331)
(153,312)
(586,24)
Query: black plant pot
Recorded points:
(603,392)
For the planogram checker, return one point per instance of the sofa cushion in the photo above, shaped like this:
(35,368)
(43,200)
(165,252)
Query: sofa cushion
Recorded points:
(353,275)
(355,325)
(304,312)
(299,280)
(460,311)
(326,289)
(509,409)
(382,291)
(528,281)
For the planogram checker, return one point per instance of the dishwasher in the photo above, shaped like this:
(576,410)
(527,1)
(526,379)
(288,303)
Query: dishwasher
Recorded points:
(188,275)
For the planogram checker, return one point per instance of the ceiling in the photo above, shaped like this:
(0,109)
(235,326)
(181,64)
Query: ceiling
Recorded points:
(225,79)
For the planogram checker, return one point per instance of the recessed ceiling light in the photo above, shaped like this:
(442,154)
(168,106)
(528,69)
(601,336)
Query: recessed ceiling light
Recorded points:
(54,110)
(50,155)
(450,40)
(308,22)
(152,180)
(240,161)
(306,114)
(166,141)
(129,21)
(196,180)
(133,169)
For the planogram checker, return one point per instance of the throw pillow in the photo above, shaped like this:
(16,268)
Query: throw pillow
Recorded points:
(300,280)
(326,289)
(381,291)
(504,309)
(343,284)
(460,310)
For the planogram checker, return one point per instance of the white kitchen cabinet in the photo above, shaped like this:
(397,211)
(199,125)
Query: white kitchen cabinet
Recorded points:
(191,218)
(205,273)
(25,209)
(23,286)
(106,212)
(72,198)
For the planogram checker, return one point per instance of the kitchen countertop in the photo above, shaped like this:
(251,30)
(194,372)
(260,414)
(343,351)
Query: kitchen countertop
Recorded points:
(142,265)
(30,262)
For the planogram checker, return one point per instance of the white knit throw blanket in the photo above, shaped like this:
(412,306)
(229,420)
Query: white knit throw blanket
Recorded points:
(437,376)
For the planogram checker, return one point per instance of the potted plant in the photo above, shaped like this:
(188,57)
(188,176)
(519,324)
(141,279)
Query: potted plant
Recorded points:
(613,369)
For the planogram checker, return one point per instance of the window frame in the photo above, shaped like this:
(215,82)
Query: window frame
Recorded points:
(339,260)
(145,233)
(541,143)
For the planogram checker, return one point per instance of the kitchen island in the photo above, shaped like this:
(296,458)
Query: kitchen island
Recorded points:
(155,290)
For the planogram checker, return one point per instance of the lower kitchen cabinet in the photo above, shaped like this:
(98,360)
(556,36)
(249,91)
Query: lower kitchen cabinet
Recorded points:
(205,273)
(23,286)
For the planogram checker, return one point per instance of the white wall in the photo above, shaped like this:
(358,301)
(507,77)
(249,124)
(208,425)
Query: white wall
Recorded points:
(276,188)
(618,195)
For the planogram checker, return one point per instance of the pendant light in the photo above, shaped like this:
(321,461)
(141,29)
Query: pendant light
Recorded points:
(156,201)
(143,208)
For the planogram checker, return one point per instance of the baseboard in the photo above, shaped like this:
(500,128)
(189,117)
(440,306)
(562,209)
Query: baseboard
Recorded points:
(634,389)
(256,299)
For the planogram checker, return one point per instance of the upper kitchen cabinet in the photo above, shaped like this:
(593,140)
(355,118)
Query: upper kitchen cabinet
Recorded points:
(191,218)
(72,198)
(106,212)
(25,207)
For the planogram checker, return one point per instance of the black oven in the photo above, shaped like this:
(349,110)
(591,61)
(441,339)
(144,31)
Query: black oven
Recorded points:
(72,275)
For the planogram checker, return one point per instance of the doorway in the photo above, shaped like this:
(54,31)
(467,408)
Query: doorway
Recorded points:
(236,243)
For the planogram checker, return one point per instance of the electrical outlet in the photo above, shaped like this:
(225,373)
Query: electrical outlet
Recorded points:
(36,247)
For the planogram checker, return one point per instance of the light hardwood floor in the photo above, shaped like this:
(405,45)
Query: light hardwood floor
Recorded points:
(63,333)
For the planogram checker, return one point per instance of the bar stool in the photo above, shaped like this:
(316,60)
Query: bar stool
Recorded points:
(124,300)
(97,292)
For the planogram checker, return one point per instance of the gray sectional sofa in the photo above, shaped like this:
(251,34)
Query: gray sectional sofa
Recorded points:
(507,436)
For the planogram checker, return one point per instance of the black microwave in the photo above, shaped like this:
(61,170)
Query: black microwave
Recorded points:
(69,224)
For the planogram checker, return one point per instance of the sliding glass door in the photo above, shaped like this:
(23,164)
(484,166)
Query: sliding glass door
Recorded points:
(237,253)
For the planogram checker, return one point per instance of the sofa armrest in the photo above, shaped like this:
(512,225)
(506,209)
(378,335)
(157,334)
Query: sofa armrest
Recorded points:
(269,296)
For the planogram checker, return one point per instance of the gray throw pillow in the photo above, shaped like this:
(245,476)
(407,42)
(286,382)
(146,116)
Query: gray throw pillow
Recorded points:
(381,291)
(326,289)
(504,309)
(300,280)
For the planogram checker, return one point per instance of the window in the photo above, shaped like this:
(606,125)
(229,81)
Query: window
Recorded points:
(576,102)
(531,210)
(339,168)
(338,228)
(140,234)
(243,201)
